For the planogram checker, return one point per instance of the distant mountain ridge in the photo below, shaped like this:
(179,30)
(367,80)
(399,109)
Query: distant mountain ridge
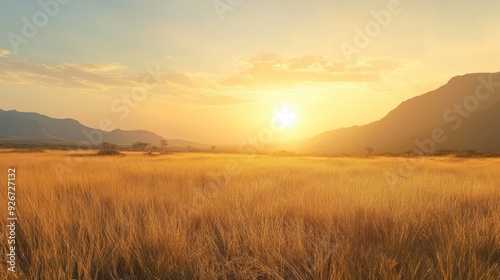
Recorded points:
(458,115)
(461,115)
(34,126)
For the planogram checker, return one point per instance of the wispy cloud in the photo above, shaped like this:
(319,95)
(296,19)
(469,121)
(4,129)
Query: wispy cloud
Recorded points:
(263,72)
(4,53)
(66,75)
(272,71)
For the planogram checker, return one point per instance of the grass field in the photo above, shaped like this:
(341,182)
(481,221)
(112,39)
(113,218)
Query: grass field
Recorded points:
(216,216)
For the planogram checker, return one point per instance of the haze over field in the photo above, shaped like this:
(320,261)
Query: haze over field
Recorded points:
(455,117)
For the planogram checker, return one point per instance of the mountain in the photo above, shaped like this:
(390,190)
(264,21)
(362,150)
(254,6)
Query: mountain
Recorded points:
(461,115)
(33,127)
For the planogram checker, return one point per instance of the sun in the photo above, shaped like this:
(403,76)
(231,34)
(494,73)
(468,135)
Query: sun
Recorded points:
(285,116)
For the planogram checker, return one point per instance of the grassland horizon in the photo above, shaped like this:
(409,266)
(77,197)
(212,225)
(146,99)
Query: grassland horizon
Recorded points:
(303,217)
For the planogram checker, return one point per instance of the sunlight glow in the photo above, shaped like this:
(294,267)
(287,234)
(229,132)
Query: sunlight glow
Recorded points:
(285,116)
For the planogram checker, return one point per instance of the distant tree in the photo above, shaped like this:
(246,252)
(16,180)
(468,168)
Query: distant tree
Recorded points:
(213,148)
(189,148)
(163,143)
(109,147)
(139,146)
(369,151)
(150,150)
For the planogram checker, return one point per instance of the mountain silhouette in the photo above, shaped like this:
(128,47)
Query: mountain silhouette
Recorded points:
(461,115)
(16,125)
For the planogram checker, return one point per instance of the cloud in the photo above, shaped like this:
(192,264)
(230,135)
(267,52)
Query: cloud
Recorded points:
(206,99)
(183,79)
(67,75)
(4,53)
(177,87)
(272,71)
(100,68)
(260,73)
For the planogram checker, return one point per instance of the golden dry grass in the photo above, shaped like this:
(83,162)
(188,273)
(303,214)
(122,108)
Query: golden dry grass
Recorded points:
(184,217)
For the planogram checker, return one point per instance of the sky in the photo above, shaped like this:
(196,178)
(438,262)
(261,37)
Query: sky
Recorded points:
(218,72)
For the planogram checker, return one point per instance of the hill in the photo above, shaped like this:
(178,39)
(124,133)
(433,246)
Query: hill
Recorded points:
(20,127)
(461,115)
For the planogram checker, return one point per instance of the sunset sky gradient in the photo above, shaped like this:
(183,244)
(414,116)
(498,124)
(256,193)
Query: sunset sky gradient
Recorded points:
(219,81)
